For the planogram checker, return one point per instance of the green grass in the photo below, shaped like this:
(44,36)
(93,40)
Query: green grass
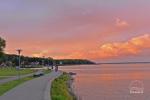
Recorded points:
(10,85)
(59,90)
(3,77)
(47,71)
(13,71)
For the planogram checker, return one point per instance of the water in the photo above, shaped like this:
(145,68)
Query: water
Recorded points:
(110,81)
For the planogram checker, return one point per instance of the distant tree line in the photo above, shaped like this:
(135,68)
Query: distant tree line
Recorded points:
(73,61)
(12,59)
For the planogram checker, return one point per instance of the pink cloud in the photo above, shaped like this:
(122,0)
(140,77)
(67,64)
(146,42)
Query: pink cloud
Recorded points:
(121,23)
(133,46)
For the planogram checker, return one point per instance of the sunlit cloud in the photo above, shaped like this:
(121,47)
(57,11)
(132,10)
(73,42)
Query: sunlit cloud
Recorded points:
(133,46)
(41,54)
(121,23)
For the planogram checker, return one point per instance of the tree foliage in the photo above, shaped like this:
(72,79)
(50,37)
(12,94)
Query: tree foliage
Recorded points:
(12,60)
(73,61)
(2,45)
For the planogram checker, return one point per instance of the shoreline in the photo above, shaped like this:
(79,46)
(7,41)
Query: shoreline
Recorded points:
(61,88)
(70,86)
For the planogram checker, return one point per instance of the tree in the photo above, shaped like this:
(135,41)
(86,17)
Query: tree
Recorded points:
(2,46)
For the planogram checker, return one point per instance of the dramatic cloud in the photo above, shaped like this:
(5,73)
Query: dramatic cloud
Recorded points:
(133,46)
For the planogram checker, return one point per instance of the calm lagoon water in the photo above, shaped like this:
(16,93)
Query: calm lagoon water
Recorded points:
(110,81)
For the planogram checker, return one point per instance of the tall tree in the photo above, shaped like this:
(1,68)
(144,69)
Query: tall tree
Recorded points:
(2,46)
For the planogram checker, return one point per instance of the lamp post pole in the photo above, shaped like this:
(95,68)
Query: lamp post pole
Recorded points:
(19,61)
(48,62)
(43,62)
(54,64)
(49,58)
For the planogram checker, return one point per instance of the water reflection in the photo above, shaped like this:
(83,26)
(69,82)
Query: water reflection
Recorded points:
(110,82)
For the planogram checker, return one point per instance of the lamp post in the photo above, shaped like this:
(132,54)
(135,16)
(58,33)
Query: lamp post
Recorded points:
(48,62)
(54,64)
(19,61)
(43,62)
(49,58)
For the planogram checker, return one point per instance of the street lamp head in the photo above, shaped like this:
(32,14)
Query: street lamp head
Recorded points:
(19,51)
(50,58)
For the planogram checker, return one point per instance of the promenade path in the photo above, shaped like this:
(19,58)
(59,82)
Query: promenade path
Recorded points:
(36,89)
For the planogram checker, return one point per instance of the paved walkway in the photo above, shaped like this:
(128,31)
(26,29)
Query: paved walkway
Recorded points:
(36,89)
(13,78)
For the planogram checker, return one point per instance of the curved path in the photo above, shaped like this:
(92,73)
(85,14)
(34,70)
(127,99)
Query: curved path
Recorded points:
(36,89)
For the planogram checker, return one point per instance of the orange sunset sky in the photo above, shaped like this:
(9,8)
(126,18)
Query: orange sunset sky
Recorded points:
(99,30)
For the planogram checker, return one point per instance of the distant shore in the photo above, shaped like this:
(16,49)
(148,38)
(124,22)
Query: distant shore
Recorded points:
(126,63)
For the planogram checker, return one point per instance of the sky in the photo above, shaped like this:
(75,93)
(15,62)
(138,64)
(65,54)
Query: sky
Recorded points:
(99,30)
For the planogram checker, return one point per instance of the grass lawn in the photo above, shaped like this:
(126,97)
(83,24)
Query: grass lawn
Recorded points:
(59,90)
(47,71)
(1,77)
(13,71)
(9,85)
